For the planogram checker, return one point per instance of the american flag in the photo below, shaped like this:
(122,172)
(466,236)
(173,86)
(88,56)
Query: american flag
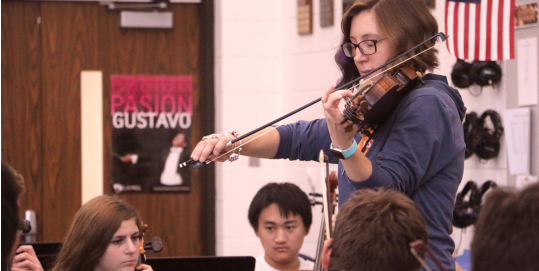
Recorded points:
(480,29)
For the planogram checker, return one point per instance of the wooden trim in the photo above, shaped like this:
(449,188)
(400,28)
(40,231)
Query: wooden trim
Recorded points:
(207,90)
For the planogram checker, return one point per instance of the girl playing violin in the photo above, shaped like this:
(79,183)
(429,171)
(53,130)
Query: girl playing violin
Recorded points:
(104,235)
(417,149)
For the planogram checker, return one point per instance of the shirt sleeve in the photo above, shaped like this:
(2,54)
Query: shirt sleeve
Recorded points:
(303,141)
(415,144)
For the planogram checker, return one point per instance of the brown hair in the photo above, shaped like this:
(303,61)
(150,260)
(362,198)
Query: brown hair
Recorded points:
(507,231)
(12,188)
(91,232)
(405,23)
(373,231)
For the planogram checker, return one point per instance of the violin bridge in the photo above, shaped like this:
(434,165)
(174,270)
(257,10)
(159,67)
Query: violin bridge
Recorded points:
(365,86)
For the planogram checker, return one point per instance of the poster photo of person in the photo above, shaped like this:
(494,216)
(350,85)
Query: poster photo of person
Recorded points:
(151,124)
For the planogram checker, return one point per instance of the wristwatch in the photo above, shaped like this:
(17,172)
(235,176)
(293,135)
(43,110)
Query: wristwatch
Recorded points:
(343,154)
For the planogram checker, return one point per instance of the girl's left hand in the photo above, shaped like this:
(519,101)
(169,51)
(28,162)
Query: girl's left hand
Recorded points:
(330,101)
(143,267)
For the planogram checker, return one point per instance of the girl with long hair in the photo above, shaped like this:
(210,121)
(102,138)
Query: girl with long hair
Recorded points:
(105,235)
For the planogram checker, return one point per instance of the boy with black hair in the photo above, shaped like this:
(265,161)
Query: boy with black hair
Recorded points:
(281,216)
(373,231)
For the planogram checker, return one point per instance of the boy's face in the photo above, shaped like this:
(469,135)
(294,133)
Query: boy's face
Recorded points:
(281,237)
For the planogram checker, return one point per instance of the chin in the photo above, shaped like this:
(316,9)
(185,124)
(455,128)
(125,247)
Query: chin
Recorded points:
(284,258)
(127,268)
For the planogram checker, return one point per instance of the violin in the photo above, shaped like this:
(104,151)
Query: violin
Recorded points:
(329,185)
(355,104)
(155,244)
(371,103)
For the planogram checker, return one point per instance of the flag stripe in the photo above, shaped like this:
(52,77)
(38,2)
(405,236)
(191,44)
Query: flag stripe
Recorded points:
(483,33)
(462,29)
(474,26)
(456,29)
(466,29)
(512,30)
(501,19)
(448,24)
(494,31)
(488,40)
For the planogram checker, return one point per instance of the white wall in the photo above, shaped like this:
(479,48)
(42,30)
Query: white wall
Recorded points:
(474,169)
(264,69)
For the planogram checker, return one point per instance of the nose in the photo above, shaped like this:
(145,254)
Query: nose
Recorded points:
(132,247)
(280,236)
(360,57)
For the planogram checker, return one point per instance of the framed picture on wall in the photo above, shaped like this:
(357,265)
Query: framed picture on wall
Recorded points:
(151,122)
(526,15)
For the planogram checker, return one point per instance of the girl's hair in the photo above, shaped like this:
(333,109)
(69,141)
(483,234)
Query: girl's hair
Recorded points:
(404,23)
(91,232)
(12,188)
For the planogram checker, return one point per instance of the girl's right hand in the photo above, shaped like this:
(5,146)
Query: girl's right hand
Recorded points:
(213,146)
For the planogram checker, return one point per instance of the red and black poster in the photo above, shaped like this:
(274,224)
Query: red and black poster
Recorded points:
(151,125)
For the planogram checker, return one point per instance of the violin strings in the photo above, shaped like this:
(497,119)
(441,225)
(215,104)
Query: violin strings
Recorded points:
(303,112)
(402,62)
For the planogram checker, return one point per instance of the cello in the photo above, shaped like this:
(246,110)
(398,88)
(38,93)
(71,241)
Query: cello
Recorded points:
(155,244)
(329,184)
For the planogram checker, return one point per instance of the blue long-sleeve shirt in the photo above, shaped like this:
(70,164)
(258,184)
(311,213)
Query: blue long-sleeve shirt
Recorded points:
(419,151)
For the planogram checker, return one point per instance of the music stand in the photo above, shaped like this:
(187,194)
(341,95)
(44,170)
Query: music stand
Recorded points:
(207,263)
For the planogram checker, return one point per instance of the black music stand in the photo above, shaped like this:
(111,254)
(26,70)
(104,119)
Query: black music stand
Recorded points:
(238,263)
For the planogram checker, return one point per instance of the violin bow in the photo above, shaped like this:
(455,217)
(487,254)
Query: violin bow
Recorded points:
(418,246)
(324,167)
(197,164)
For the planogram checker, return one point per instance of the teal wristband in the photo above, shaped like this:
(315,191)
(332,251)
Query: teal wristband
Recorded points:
(343,154)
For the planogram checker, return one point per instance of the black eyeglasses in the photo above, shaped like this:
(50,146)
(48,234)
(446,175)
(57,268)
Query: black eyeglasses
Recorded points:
(366,47)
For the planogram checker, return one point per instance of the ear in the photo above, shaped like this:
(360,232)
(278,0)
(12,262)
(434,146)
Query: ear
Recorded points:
(326,253)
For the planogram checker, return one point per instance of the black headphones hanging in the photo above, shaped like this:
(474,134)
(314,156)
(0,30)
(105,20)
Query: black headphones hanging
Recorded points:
(486,73)
(489,145)
(481,192)
(472,133)
(482,134)
(482,73)
(465,212)
(461,75)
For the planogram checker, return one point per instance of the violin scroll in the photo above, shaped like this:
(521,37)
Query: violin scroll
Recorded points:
(155,244)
